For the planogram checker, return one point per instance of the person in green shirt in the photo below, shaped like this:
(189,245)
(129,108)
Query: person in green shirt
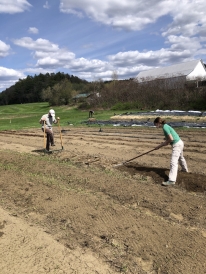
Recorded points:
(172,138)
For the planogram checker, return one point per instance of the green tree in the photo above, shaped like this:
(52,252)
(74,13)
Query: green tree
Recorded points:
(59,94)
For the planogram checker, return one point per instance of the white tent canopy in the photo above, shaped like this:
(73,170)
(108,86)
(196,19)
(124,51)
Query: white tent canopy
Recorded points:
(192,70)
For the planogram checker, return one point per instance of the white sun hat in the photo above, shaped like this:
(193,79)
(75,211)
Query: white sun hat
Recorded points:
(52,112)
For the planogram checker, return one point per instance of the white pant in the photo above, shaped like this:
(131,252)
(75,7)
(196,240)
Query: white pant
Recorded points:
(177,156)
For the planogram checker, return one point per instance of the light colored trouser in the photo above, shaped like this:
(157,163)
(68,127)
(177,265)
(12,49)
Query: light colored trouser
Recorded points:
(49,131)
(177,156)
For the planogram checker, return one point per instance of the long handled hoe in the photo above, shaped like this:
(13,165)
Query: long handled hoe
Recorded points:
(134,158)
(44,136)
(60,132)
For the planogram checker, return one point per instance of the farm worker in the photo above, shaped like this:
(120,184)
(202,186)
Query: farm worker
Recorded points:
(172,138)
(46,121)
(91,112)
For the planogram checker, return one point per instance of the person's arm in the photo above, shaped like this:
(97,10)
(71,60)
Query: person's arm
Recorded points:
(56,120)
(167,142)
(41,121)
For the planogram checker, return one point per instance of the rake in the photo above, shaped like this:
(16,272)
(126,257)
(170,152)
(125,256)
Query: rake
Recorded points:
(134,158)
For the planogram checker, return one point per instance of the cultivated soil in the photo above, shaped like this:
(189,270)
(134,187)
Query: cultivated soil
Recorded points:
(75,211)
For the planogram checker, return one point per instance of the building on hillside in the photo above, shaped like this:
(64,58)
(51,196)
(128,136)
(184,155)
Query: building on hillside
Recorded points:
(191,72)
(81,97)
(86,97)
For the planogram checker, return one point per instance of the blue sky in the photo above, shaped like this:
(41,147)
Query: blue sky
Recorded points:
(93,39)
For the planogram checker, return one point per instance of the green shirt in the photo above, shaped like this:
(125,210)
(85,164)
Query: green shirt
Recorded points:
(169,130)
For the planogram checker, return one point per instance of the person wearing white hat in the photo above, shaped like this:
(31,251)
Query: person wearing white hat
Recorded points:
(46,121)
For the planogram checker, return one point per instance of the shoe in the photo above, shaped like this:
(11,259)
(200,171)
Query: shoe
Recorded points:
(184,170)
(168,183)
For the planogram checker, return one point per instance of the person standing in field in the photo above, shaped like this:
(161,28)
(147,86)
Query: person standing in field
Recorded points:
(46,121)
(91,113)
(172,138)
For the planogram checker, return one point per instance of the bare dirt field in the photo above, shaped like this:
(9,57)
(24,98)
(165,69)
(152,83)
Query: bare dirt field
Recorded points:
(73,211)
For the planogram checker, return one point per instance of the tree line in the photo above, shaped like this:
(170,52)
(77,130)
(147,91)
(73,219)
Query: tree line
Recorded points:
(29,90)
(165,94)
(60,89)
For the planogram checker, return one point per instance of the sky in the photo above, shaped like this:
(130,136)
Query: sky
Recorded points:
(96,40)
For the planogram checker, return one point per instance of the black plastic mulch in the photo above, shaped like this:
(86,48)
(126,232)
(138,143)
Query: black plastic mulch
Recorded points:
(149,122)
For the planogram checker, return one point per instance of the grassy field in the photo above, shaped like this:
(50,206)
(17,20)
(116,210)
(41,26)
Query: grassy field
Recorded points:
(14,117)
(23,116)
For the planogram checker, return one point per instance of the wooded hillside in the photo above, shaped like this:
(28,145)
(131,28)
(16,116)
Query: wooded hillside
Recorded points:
(29,90)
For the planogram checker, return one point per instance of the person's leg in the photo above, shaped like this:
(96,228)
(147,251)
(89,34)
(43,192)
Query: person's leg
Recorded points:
(50,135)
(47,142)
(52,138)
(182,161)
(176,152)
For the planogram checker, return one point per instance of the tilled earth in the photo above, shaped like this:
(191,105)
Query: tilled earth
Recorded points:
(76,210)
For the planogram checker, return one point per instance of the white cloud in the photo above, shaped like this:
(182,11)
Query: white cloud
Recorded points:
(50,57)
(188,16)
(39,70)
(14,6)
(148,59)
(4,49)
(47,54)
(33,30)
(61,54)
(9,77)
(60,58)
(6,73)
(182,43)
(82,64)
(46,5)
(122,73)
(39,44)
(124,14)
(48,62)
